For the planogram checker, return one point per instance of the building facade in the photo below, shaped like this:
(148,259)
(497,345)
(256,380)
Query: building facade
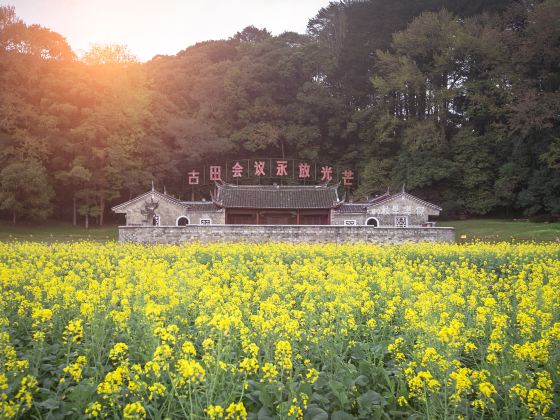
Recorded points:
(278,205)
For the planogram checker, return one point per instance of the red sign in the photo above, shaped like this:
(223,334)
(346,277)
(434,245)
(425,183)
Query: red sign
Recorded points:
(347,177)
(326,172)
(237,170)
(194,177)
(215,173)
(304,170)
(259,168)
(281,166)
(295,169)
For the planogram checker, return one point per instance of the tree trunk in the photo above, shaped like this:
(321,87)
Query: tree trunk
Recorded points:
(14,217)
(87,221)
(101,211)
(74,220)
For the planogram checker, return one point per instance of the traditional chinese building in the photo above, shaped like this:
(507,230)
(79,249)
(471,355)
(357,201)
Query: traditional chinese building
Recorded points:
(278,205)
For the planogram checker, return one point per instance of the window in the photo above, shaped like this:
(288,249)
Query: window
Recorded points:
(155,220)
(183,221)
(349,223)
(372,221)
(205,221)
(401,221)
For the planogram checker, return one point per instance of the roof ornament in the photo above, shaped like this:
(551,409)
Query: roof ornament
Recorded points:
(153,189)
(149,210)
(403,188)
(164,190)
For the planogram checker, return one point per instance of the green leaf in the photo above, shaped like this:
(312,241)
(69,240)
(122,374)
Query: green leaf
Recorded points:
(369,399)
(49,404)
(264,414)
(339,390)
(316,413)
(341,415)
(361,380)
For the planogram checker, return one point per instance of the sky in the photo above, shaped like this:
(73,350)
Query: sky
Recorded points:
(156,27)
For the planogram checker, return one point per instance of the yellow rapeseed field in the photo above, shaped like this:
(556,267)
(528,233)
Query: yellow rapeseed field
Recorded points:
(279,331)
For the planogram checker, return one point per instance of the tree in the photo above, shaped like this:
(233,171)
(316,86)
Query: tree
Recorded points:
(75,177)
(112,54)
(25,190)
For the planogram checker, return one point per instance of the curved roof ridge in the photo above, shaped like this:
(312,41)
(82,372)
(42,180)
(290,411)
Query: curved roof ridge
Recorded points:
(148,193)
(276,196)
(410,196)
(275,186)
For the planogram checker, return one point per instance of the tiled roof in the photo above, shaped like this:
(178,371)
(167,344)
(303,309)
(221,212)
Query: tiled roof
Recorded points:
(410,197)
(361,206)
(120,208)
(352,208)
(200,205)
(276,196)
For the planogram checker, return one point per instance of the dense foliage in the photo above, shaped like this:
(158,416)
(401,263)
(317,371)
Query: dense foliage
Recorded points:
(279,331)
(458,100)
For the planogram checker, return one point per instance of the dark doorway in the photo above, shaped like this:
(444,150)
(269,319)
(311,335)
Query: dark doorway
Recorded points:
(277,218)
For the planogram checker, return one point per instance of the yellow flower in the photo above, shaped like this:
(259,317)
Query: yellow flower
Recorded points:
(190,372)
(215,412)
(113,382)
(249,365)
(469,347)
(167,334)
(208,344)
(487,389)
(75,369)
(270,372)
(74,331)
(94,409)
(236,411)
(463,384)
(423,381)
(395,349)
(134,411)
(312,376)
(118,352)
(295,412)
(283,355)
(188,349)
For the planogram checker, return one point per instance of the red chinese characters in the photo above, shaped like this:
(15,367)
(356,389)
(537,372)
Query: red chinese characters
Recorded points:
(326,173)
(259,168)
(215,173)
(281,168)
(237,170)
(304,170)
(194,177)
(347,177)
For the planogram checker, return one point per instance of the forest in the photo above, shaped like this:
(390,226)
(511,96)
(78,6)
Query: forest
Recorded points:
(458,101)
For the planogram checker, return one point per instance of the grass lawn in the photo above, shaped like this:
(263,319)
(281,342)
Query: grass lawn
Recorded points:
(52,231)
(483,229)
(503,230)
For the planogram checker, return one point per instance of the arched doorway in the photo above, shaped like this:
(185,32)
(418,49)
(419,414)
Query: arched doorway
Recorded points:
(372,221)
(183,221)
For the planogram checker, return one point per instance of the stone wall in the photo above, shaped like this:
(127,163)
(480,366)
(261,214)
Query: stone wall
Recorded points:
(168,210)
(281,233)
(194,216)
(384,220)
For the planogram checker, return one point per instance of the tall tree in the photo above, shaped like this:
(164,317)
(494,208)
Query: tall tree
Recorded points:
(25,190)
